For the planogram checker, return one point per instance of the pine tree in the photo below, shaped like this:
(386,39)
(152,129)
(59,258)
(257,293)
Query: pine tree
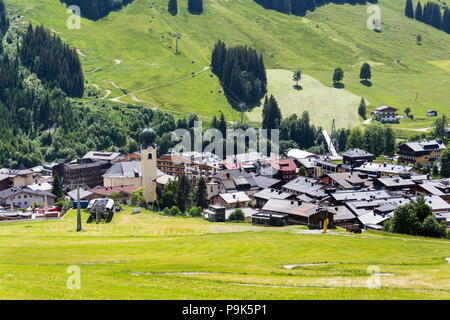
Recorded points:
(297,77)
(338,76)
(202,193)
(362,109)
(271,114)
(365,73)
(445,163)
(418,14)
(57,187)
(183,191)
(409,9)
(173,7)
(222,125)
(4,23)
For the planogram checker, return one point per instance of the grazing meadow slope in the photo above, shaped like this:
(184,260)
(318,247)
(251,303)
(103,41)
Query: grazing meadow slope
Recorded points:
(149,256)
(131,52)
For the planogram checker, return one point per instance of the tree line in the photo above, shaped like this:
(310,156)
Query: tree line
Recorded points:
(301,7)
(416,218)
(53,61)
(430,13)
(241,72)
(97,9)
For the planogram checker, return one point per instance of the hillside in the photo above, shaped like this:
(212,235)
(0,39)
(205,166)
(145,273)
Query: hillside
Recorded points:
(133,50)
(149,256)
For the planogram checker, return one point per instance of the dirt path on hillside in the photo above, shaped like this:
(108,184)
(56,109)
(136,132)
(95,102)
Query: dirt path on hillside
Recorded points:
(132,94)
(79,52)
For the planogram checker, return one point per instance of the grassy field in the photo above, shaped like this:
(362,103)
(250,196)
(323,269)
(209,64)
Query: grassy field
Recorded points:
(404,73)
(149,256)
(323,103)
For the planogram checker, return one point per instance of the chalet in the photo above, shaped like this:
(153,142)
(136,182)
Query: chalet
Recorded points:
(409,184)
(305,186)
(231,200)
(421,152)
(229,181)
(342,216)
(176,164)
(357,157)
(24,198)
(299,213)
(135,156)
(375,170)
(341,197)
(385,114)
(346,180)
(261,197)
(266,182)
(324,167)
(282,169)
(15,178)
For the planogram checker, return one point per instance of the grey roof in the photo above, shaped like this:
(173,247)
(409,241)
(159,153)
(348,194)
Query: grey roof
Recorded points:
(83,194)
(341,213)
(425,145)
(304,185)
(13,191)
(100,155)
(355,153)
(370,219)
(272,194)
(361,195)
(124,170)
(383,167)
(264,182)
(290,207)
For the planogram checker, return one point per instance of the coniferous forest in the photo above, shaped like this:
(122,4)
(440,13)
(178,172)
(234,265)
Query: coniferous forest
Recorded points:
(431,13)
(301,7)
(97,9)
(241,72)
(53,61)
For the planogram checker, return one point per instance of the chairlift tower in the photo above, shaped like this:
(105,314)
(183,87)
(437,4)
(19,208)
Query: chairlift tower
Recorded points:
(79,185)
(177,38)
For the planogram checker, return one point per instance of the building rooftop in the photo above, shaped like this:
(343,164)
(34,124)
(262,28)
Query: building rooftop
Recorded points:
(100,155)
(128,169)
(383,167)
(304,185)
(290,207)
(272,194)
(418,146)
(356,153)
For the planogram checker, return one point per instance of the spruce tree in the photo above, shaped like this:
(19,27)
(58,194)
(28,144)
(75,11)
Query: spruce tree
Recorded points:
(409,9)
(418,14)
(365,73)
(362,109)
(57,187)
(173,7)
(202,193)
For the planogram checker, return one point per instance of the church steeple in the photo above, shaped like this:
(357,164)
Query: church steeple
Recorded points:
(148,163)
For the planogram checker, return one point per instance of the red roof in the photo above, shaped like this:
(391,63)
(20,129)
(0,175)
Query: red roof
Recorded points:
(283,164)
(107,191)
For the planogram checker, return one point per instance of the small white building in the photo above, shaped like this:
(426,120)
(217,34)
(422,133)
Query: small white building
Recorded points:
(24,198)
(385,114)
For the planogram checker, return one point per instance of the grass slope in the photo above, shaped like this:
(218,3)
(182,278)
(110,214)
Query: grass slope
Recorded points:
(147,256)
(323,103)
(405,74)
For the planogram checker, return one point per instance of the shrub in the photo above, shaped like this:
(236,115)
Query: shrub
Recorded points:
(237,215)
(167,211)
(175,211)
(432,228)
(195,212)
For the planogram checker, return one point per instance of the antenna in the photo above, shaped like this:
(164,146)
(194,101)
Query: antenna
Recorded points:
(177,38)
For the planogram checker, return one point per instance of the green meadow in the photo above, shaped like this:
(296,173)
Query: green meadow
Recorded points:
(150,256)
(134,49)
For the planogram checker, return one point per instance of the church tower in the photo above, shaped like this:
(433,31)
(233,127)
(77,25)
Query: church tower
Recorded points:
(148,163)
